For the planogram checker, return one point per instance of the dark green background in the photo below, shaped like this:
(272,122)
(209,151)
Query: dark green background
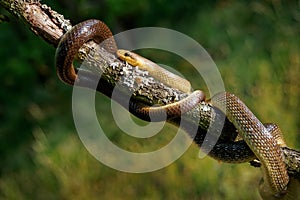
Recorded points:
(255,45)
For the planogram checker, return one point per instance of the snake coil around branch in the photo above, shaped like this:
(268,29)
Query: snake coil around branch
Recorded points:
(262,142)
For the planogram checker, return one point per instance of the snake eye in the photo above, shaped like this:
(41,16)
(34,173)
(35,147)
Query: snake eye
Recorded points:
(127,54)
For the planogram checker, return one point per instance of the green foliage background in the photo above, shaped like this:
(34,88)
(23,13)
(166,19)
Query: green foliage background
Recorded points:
(255,45)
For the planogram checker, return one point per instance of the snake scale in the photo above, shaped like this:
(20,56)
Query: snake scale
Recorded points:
(254,133)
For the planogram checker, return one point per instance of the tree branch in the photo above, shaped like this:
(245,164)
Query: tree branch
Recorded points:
(128,80)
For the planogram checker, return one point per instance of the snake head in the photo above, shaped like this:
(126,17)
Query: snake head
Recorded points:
(127,56)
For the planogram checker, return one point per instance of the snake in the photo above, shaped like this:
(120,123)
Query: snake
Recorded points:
(253,132)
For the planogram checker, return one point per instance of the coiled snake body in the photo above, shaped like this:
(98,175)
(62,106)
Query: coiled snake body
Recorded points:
(96,30)
(250,128)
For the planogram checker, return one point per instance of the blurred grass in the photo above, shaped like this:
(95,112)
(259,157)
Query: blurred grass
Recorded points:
(256,46)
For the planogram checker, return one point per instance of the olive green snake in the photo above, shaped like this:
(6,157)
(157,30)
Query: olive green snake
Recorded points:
(260,140)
